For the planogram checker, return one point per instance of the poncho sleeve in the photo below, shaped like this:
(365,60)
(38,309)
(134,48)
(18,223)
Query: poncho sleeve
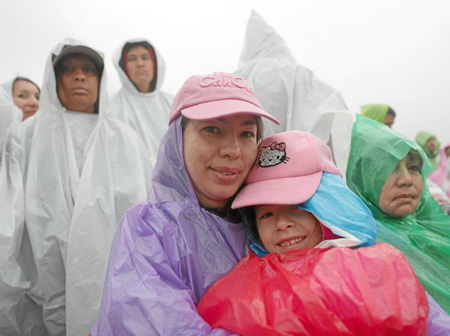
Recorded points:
(144,292)
(339,291)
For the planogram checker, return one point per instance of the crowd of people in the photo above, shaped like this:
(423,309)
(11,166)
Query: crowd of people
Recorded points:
(252,202)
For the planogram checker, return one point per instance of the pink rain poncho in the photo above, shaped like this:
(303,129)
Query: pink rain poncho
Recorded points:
(166,254)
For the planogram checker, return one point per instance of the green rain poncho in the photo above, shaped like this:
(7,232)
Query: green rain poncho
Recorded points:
(421,139)
(376,112)
(424,235)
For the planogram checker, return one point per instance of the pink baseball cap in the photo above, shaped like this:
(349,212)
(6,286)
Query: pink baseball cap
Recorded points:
(287,171)
(214,96)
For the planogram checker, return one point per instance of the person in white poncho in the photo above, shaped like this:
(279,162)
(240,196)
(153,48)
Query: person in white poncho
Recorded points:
(293,93)
(140,102)
(67,176)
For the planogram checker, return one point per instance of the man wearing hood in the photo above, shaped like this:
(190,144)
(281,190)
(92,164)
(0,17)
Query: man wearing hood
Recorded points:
(64,186)
(140,102)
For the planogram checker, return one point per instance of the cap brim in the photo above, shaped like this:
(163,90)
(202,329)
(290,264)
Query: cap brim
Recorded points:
(224,108)
(79,49)
(283,191)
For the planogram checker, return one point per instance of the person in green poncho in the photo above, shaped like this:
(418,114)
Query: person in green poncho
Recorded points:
(379,112)
(388,172)
(430,146)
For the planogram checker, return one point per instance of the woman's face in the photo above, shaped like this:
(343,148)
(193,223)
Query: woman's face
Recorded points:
(26,97)
(218,155)
(402,190)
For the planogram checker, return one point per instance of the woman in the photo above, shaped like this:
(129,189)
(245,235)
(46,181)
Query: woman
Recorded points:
(25,95)
(387,171)
(171,249)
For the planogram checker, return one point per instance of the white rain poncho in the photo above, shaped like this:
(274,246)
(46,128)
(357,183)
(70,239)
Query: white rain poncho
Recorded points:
(57,224)
(9,112)
(146,113)
(292,93)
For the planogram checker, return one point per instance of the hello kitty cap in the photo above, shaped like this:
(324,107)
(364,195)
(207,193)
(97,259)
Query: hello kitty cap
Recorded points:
(214,96)
(287,171)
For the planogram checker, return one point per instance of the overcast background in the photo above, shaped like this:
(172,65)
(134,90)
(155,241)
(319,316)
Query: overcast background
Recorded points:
(383,51)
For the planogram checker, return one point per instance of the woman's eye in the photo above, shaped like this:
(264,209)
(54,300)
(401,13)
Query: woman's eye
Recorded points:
(66,69)
(38,97)
(21,95)
(211,129)
(414,168)
(89,69)
(248,134)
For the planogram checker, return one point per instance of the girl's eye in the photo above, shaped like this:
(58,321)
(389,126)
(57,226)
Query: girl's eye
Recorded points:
(266,215)
(146,57)
(38,97)
(66,69)
(21,95)
(131,59)
(211,129)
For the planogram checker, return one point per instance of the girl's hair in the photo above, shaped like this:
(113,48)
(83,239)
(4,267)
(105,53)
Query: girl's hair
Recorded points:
(18,79)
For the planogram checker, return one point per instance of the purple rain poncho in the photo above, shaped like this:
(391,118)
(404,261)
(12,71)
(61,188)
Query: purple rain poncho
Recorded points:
(166,254)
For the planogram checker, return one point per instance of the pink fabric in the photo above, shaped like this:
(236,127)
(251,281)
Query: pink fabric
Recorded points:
(287,171)
(438,176)
(214,96)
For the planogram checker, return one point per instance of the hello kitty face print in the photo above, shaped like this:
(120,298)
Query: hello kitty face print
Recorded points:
(272,155)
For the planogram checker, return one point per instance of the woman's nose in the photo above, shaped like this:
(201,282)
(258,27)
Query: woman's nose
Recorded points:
(230,147)
(404,177)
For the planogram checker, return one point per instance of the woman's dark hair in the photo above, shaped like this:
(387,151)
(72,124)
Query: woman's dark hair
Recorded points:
(391,112)
(17,79)
(130,45)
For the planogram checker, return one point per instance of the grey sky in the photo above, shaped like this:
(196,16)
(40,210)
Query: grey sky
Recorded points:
(393,52)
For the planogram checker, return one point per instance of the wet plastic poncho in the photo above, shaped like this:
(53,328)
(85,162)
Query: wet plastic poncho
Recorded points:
(424,235)
(421,139)
(375,112)
(146,113)
(292,93)
(166,254)
(320,291)
(9,114)
(43,197)
(340,291)
(438,176)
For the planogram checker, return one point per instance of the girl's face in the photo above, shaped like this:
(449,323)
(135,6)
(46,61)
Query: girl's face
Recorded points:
(218,155)
(402,190)
(284,228)
(26,97)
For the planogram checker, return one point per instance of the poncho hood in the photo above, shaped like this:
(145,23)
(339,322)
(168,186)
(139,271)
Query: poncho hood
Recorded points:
(166,254)
(159,73)
(375,112)
(422,138)
(291,92)
(424,235)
